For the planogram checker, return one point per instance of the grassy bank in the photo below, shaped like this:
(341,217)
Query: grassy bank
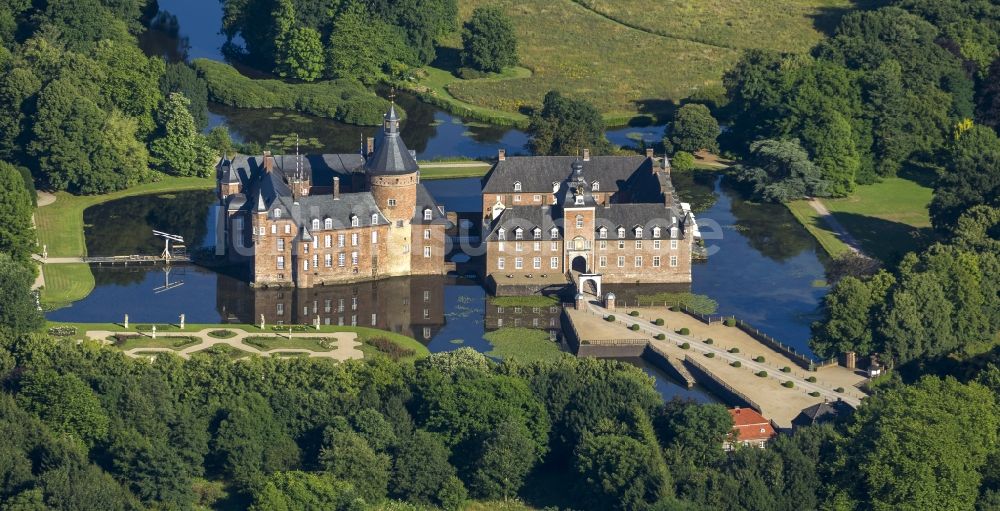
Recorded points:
(456,170)
(524,344)
(65,284)
(342,100)
(432,88)
(889,218)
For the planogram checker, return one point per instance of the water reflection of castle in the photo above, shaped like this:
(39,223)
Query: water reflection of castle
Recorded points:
(412,306)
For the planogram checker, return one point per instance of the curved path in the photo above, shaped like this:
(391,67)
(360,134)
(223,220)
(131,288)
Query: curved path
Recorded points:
(832,222)
(851,398)
(346,346)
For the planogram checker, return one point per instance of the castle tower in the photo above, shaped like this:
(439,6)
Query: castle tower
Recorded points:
(392,173)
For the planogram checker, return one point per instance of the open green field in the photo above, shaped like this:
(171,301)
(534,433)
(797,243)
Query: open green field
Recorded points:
(629,58)
(524,344)
(889,218)
(60,224)
(65,284)
(268,343)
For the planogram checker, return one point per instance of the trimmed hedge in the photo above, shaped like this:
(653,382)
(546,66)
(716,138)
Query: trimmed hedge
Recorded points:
(814,394)
(685,346)
(839,390)
(343,100)
(684,331)
(634,314)
(609,318)
(759,359)
(658,322)
(786,369)
(660,337)
(788,384)
(762,374)
(736,364)
(635,327)
(811,379)
(734,350)
(729,322)
(710,354)
(709,341)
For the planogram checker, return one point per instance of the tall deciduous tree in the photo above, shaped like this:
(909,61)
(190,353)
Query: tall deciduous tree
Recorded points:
(694,129)
(361,47)
(303,490)
(620,472)
(180,77)
(17,236)
(348,457)
(850,316)
(18,311)
(300,55)
(421,469)
(180,149)
(565,126)
(971,177)
(66,403)
(489,42)
(780,170)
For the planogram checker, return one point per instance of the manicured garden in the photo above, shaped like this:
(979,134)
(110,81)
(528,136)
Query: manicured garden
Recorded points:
(524,344)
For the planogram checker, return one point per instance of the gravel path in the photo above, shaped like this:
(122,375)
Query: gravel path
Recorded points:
(838,229)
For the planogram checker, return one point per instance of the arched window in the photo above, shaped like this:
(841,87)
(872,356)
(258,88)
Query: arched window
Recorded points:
(578,243)
(315,224)
(427,214)
(277,212)
(554,233)
(354,221)
(517,186)
(596,187)
(603,233)
(621,232)
(328,223)
(638,232)
(501,234)
(579,221)
(375,219)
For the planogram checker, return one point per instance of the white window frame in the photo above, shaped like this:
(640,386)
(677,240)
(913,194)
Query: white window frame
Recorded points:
(554,233)
(554,263)
(281,262)
(328,260)
(315,224)
(354,258)
(656,244)
(391,203)
(428,214)
(656,261)
(355,221)
(673,261)
(602,261)
(579,221)
(427,251)
(621,261)
(375,219)
(517,186)
(621,232)
(281,244)
(518,263)
(674,244)
(374,237)
(638,261)
(500,263)
(638,244)
(341,260)
(354,239)
(277,212)
(536,263)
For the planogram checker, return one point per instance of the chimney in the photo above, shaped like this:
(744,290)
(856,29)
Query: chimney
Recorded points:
(649,152)
(371,145)
(268,161)
(502,155)
(586,155)
(336,188)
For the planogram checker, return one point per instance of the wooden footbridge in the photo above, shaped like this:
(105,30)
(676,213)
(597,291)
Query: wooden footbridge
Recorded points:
(176,253)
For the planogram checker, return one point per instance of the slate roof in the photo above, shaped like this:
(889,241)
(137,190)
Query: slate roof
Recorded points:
(631,215)
(537,173)
(391,155)
(321,207)
(821,412)
(527,218)
(426,201)
(321,167)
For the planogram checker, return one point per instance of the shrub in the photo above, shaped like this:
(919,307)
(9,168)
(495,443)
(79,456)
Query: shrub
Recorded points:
(839,390)
(609,318)
(788,384)
(685,346)
(62,331)
(222,334)
(762,374)
(734,350)
(121,338)
(635,327)
(658,322)
(634,314)
(814,394)
(684,331)
(391,349)
(660,337)
(759,359)
(811,379)
(709,341)
(736,364)
(710,354)
(729,322)
(786,369)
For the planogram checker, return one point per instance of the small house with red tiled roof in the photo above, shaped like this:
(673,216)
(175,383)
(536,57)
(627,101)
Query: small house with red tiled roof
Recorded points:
(750,428)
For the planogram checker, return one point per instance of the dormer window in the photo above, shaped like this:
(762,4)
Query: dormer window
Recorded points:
(328,223)
(501,234)
(277,212)
(375,219)
(674,232)
(596,187)
(517,186)
(355,222)
(554,233)
(518,233)
(579,200)
(621,232)
(537,233)
(638,232)
(427,214)
(603,233)
(315,224)
(656,231)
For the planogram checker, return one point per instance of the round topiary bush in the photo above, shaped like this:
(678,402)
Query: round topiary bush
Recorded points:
(788,384)
(811,379)
(729,322)
(814,394)
(684,331)
(685,346)
(635,327)
(759,359)
(786,369)
(634,314)
(709,341)
(710,354)
(660,337)
(762,374)
(658,322)
(839,390)
(736,364)
(734,350)
(609,318)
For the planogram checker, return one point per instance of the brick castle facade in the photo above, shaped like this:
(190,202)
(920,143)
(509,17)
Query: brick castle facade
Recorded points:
(613,216)
(312,220)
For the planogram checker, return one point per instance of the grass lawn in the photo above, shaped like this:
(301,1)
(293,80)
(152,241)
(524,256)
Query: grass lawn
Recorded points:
(525,344)
(60,224)
(629,58)
(524,301)
(176,343)
(810,219)
(268,343)
(701,304)
(66,283)
(435,170)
